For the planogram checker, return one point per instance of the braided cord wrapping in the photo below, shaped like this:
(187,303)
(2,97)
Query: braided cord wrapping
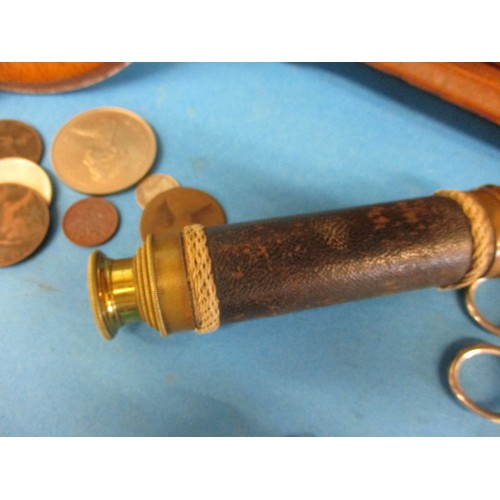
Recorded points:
(483,237)
(200,279)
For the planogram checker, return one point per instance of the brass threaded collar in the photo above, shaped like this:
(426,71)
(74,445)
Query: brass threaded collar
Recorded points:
(146,290)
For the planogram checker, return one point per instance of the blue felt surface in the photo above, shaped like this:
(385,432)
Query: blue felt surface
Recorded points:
(265,140)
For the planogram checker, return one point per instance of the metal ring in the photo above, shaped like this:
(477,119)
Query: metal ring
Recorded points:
(474,311)
(457,389)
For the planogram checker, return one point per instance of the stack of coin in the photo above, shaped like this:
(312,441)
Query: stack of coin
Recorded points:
(98,152)
(24,222)
(27,173)
(25,192)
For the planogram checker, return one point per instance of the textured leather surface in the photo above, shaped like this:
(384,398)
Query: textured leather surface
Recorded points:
(270,267)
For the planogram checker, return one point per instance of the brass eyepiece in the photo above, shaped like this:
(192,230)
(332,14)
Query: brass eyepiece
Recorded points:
(150,287)
(112,292)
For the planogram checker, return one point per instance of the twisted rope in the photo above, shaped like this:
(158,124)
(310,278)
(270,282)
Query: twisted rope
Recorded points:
(483,237)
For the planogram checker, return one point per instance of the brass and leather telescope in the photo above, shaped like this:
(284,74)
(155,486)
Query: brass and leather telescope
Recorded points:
(203,277)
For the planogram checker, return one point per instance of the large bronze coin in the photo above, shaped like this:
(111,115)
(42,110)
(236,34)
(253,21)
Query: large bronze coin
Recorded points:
(103,150)
(151,186)
(172,210)
(90,222)
(20,139)
(27,173)
(24,222)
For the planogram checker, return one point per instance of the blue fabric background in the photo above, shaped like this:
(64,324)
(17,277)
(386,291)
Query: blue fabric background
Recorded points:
(266,140)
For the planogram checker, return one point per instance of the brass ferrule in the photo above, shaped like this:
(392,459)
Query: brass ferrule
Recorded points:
(489,198)
(152,287)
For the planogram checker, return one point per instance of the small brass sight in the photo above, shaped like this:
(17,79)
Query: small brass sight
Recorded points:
(151,287)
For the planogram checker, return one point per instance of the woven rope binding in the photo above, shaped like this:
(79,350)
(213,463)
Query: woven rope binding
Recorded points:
(200,278)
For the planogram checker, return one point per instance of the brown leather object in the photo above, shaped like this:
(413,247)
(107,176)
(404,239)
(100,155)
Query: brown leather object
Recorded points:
(472,86)
(287,264)
(50,77)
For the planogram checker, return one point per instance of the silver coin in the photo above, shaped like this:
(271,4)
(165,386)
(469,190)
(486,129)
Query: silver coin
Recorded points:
(103,150)
(153,185)
(26,173)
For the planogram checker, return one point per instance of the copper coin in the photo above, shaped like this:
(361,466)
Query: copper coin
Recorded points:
(20,139)
(151,186)
(27,173)
(172,210)
(24,222)
(90,222)
(103,150)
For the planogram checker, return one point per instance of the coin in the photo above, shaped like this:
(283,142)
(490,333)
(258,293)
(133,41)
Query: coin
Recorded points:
(27,173)
(20,139)
(24,222)
(172,210)
(90,222)
(103,150)
(153,185)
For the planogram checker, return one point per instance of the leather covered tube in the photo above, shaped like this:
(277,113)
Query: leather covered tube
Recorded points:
(287,264)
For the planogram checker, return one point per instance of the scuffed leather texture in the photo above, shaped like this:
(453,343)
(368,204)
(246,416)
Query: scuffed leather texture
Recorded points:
(276,266)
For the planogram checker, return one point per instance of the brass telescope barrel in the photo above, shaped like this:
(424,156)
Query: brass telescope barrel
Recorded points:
(204,277)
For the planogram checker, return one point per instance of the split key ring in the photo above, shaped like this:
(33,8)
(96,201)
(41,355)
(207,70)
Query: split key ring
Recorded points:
(456,387)
(472,351)
(473,310)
